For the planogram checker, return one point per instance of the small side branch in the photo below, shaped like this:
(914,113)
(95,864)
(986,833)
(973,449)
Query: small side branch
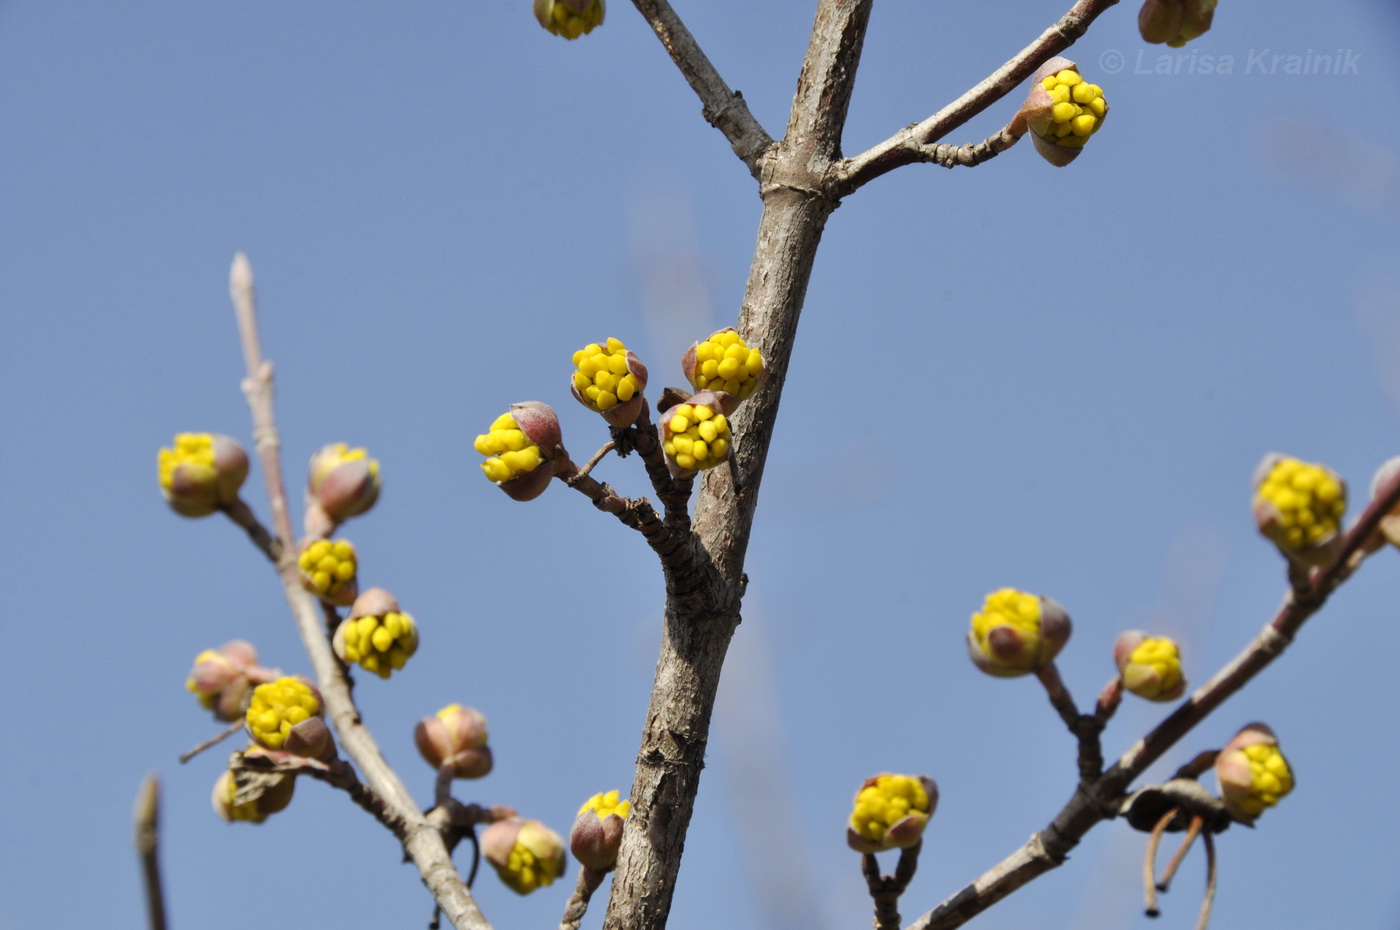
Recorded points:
(147,840)
(974,153)
(724,109)
(907,145)
(637,514)
(589,881)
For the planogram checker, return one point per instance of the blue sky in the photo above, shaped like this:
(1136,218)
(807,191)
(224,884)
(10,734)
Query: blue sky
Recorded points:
(1065,378)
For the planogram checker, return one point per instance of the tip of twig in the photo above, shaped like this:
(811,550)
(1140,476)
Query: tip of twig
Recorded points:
(240,276)
(146,813)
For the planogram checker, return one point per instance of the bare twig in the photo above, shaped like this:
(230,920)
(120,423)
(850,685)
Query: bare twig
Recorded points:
(906,146)
(597,457)
(240,513)
(422,842)
(724,109)
(589,881)
(211,742)
(1060,699)
(974,153)
(147,840)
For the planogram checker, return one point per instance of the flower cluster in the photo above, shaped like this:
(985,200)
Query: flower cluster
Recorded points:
(1016,633)
(201,473)
(328,570)
(1150,666)
(222,678)
(286,714)
(695,435)
(891,812)
(517,445)
(252,802)
(525,853)
(570,18)
(609,380)
(1298,505)
(1253,774)
(597,832)
(1062,111)
(377,636)
(724,363)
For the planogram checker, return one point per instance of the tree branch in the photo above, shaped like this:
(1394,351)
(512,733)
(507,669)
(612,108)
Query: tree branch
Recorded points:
(723,108)
(147,840)
(906,146)
(1097,801)
(422,842)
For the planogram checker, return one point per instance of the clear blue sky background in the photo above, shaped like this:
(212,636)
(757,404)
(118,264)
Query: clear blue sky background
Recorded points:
(1056,379)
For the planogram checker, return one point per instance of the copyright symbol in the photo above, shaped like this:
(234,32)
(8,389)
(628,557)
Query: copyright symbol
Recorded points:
(1111,61)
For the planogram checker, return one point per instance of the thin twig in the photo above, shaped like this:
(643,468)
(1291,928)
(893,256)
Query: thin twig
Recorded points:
(211,742)
(589,881)
(147,840)
(241,514)
(597,457)
(906,146)
(973,153)
(724,109)
(423,843)
(1059,695)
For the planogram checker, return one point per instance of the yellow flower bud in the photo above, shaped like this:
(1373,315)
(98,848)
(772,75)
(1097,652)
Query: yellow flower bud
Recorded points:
(518,444)
(1175,22)
(1253,774)
(1299,506)
(1016,633)
(609,380)
(223,678)
(1062,111)
(254,801)
(597,832)
(1150,666)
(725,364)
(695,435)
(377,635)
(286,714)
(201,473)
(570,18)
(891,812)
(328,570)
(342,483)
(525,853)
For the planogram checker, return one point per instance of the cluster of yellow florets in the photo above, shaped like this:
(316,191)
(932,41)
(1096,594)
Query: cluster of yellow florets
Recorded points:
(570,18)
(1153,669)
(379,644)
(1007,608)
(275,797)
(884,802)
(602,377)
(1271,779)
(510,454)
(277,707)
(1077,111)
(697,436)
(328,566)
(1307,503)
(605,804)
(188,449)
(724,362)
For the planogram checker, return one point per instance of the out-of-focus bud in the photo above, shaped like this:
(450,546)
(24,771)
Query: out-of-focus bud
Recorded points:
(1299,506)
(328,571)
(1150,666)
(609,380)
(1390,523)
(286,715)
(258,799)
(525,853)
(519,448)
(1253,773)
(597,832)
(1175,22)
(222,678)
(377,636)
(342,483)
(695,435)
(1017,633)
(455,736)
(201,473)
(725,365)
(891,812)
(1062,111)
(570,18)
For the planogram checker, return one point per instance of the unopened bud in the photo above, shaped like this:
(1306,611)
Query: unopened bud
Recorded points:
(525,853)
(223,678)
(255,800)
(1150,666)
(342,483)
(1062,111)
(597,832)
(1253,774)
(570,18)
(455,736)
(201,473)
